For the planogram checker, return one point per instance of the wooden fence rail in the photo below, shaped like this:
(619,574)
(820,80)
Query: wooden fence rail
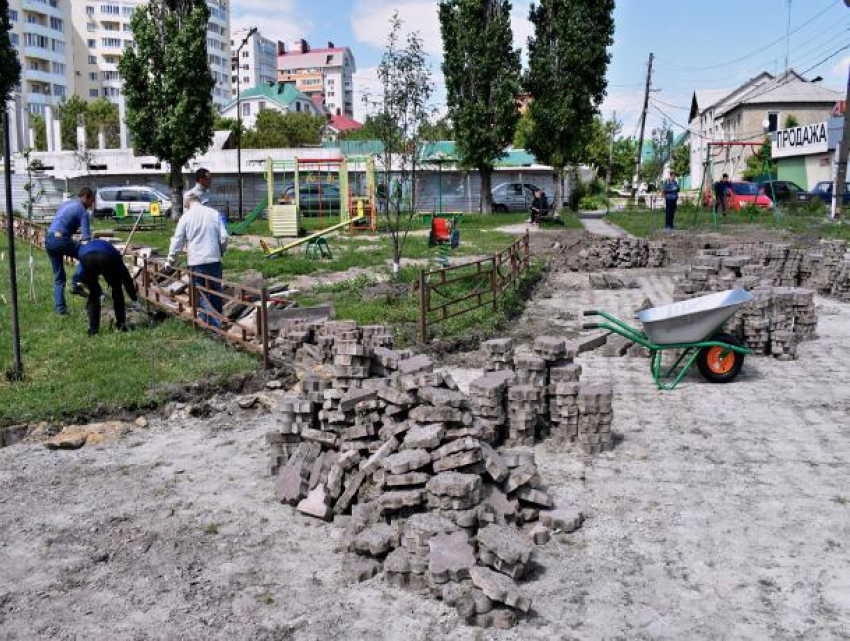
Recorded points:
(454,291)
(178,293)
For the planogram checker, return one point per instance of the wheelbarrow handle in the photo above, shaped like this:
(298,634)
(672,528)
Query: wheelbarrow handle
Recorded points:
(591,325)
(590,312)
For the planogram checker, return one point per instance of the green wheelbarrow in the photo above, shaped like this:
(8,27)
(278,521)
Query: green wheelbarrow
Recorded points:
(691,326)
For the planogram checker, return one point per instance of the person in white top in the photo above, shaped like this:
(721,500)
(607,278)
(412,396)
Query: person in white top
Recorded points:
(203,235)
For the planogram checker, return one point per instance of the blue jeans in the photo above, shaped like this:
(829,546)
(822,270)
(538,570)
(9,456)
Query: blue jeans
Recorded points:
(205,298)
(57,250)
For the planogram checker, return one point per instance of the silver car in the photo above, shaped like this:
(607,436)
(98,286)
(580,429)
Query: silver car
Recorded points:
(137,197)
(513,196)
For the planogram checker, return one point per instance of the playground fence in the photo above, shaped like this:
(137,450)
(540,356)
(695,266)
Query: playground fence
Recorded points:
(457,290)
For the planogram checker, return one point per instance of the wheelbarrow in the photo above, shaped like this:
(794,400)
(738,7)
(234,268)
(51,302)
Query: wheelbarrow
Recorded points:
(691,326)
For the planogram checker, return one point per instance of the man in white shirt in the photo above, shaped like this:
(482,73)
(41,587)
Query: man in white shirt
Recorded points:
(204,237)
(203,182)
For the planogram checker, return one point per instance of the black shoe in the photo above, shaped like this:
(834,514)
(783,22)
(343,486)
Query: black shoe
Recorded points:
(77,290)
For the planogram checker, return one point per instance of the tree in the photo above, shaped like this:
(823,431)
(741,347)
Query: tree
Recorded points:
(277,129)
(523,130)
(439,129)
(482,71)
(9,63)
(97,114)
(791,121)
(168,85)
(681,162)
(401,126)
(40,128)
(759,164)
(597,148)
(372,129)
(567,61)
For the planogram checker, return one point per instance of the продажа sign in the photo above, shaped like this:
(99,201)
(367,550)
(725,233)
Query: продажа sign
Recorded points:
(800,141)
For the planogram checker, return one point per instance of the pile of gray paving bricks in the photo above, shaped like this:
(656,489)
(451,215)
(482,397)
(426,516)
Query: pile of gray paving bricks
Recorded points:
(601,252)
(783,281)
(436,488)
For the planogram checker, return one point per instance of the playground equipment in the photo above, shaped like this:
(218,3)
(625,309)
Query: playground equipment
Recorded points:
(445,236)
(707,186)
(318,189)
(150,217)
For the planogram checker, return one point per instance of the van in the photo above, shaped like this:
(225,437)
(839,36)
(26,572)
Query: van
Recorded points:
(137,197)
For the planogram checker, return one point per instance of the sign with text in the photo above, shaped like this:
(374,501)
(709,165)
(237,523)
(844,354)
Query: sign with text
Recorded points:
(800,141)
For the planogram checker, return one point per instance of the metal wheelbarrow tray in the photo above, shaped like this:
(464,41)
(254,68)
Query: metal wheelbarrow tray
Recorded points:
(691,326)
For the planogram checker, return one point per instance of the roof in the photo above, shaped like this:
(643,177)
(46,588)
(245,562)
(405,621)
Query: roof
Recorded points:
(343,123)
(440,151)
(282,94)
(314,58)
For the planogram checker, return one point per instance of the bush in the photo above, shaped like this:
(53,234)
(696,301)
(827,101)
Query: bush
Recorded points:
(591,203)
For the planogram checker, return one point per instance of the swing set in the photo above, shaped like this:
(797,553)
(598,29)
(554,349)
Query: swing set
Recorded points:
(338,192)
(707,187)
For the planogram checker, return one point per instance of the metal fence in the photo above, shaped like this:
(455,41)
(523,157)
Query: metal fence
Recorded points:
(454,291)
(181,293)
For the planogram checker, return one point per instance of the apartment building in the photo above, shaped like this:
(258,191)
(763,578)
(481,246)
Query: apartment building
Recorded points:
(326,75)
(102,31)
(41,33)
(256,65)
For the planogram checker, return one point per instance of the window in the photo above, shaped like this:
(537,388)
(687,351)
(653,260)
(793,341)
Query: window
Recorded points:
(109,76)
(35,40)
(59,90)
(16,41)
(58,46)
(33,19)
(246,79)
(330,82)
(56,24)
(93,76)
(91,26)
(110,26)
(128,28)
(246,67)
(111,42)
(89,10)
(92,60)
(128,11)
(772,121)
(92,43)
(262,105)
(92,93)
(13,15)
(246,109)
(297,106)
(59,68)
(110,9)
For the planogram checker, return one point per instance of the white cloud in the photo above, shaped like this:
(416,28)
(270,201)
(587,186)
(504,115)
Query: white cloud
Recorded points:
(276,19)
(840,70)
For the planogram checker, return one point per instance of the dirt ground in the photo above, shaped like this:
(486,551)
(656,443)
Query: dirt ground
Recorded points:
(724,512)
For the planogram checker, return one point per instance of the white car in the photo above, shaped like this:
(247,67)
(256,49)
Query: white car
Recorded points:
(513,197)
(137,197)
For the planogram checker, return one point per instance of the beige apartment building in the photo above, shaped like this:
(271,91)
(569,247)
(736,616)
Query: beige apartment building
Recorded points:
(326,75)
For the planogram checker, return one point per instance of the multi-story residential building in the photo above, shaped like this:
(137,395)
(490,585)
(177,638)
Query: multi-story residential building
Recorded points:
(326,75)
(41,34)
(757,108)
(257,62)
(102,30)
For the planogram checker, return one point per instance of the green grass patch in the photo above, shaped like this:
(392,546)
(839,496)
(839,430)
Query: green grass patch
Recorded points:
(810,221)
(69,374)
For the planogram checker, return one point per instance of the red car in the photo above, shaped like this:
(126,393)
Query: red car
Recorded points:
(747,194)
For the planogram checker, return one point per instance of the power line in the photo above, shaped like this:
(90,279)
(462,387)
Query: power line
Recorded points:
(830,5)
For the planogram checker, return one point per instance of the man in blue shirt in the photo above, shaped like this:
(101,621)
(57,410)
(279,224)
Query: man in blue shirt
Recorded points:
(72,216)
(99,258)
(670,188)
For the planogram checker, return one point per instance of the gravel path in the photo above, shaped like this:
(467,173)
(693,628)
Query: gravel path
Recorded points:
(723,513)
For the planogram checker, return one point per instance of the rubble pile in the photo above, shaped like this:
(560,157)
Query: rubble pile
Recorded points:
(601,252)
(436,488)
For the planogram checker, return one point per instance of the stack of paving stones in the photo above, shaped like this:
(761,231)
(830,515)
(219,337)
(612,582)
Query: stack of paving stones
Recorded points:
(595,416)
(841,286)
(618,253)
(498,354)
(410,466)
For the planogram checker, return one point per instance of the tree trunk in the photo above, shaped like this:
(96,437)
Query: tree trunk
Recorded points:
(486,175)
(557,189)
(176,190)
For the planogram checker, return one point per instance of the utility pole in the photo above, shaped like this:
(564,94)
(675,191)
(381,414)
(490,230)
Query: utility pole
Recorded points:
(610,164)
(787,36)
(841,168)
(639,155)
(17,370)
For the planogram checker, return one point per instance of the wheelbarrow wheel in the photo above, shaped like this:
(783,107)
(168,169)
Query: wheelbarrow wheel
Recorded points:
(719,365)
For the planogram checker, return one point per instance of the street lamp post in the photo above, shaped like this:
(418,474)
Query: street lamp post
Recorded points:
(251,32)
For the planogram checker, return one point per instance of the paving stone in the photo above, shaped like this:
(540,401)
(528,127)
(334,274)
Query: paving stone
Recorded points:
(563,519)
(498,503)
(494,464)
(506,542)
(398,499)
(356,568)
(454,484)
(534,496)
(377,539)
(404,480)
(499,587)
(406,461)
(351,488)
(451,557)
(414,364)
(431,414)
(371,464)
(540,534)
(461,459)
(316,503)
(459,445)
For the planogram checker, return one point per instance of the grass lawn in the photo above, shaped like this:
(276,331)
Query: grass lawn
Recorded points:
(68,374)
(811,223)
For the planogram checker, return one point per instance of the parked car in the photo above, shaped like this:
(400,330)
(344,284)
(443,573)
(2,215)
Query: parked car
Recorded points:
(747,194)
(313,198)
(513,196)
(138,197)
(823,190)
(784,191)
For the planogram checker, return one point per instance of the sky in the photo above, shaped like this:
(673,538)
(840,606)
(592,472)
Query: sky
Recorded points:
(697,44)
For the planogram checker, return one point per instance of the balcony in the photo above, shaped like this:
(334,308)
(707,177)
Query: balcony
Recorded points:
(43,7)
(47,77)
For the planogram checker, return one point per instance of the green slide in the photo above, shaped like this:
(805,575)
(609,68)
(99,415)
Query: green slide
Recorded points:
(240,227)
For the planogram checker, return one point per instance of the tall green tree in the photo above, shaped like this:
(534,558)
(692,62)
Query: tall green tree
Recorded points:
(681,161)
(567,60)
(9,63)
(482,72)
(96,114)
(168,85)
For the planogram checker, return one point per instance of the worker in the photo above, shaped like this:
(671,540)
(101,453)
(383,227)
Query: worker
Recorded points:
(99,258)
(539,206)
(71,217)
(201,231)
(670,189)
(722,188)
(203,182)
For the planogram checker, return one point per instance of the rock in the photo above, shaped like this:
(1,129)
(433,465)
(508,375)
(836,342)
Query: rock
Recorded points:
(506,543)
(377,539)
(424,436)
(499,587)
(451,557)
(562,519)
(141,421)
(356,568)
(316,503)
(67,443)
